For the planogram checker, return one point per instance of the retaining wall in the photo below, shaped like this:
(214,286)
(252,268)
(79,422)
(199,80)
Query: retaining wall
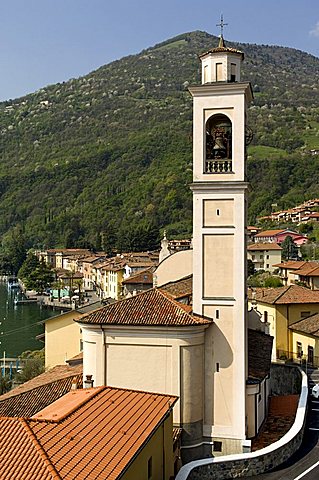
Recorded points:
(260,461)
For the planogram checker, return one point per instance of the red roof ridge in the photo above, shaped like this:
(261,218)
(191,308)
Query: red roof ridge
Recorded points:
(39,449)
(88,393)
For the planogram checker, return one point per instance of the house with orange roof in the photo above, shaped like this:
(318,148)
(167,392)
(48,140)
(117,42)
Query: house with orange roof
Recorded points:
(289,272)
(264,255)
(282,307)
(101,433)
(278,236)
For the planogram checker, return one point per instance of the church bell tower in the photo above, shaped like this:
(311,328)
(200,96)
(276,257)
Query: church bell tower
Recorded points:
(219,238)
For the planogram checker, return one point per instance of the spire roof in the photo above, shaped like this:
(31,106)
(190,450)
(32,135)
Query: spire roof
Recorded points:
(222,48)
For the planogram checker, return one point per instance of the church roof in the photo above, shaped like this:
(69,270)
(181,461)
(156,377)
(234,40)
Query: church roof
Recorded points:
(153,308)
(222,48)
(179,288)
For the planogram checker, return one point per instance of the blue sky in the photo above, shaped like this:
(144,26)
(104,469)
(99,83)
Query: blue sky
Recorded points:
(48,41)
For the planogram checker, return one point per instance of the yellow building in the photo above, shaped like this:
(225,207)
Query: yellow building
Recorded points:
(63,339)
(282,308)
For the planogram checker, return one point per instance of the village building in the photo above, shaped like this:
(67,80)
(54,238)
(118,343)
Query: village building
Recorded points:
(278,236)
(292,272)
(264,255)
(105,433)
(282,308)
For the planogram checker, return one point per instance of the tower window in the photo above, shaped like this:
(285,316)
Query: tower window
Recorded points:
(233,72)
(219,72)
(205,73)
(218,144)
(217,212)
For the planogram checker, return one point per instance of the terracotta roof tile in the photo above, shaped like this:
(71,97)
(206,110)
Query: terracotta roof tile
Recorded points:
(97,438)
(292,264)
(180,288)
(264,246)
(102,436)
(284,295)
(153,307)
(307,325)
(269,233)
(144,276)
(33,396)
(21,456)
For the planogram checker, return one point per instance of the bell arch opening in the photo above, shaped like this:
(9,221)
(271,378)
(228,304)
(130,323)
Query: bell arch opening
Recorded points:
(218,154)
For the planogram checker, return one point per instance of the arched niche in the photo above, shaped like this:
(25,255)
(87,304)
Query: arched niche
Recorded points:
(218,144)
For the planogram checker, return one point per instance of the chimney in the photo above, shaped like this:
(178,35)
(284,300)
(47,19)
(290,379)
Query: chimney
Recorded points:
(88,382)
(74,384)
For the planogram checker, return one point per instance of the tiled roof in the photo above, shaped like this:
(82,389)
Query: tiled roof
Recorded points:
(20,455)
(269,233)
(97,439)
(309,271)
(284,295)
(264,246)
(144,276)
(31,397)
(307,325)
(180,288)
(153,307)
(291,265)
(259,354)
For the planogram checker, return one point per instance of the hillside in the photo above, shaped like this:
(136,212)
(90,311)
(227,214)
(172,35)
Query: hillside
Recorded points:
(106,159)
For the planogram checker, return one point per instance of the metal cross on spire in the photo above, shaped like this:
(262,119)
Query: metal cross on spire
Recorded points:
(221,25)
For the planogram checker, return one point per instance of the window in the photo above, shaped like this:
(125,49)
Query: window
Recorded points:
(253,257)
(267,265)
(219,72)
(217,446)
(217,314)
(265,317)
(267,256)
(299,350)
(261,257)
(233,72)
(305,314)
(149,468)
(205,73)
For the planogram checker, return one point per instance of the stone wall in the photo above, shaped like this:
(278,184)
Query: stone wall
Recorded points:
(255,463)
(284,379)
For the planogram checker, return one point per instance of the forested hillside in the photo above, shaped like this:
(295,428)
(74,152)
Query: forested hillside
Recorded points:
(105,160)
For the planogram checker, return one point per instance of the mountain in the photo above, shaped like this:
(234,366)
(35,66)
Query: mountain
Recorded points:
(106,159)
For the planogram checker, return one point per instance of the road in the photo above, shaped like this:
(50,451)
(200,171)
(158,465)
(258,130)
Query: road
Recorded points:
(304,465)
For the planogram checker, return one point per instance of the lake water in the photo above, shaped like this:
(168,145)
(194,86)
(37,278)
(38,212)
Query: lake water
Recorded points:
(19,324)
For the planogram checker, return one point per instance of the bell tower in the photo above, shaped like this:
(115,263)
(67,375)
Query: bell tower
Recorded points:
(219,240)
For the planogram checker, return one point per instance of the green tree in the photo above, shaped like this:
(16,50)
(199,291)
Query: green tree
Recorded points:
(33,365)
(41,278)
(5,383)
(30,264)
(289,249)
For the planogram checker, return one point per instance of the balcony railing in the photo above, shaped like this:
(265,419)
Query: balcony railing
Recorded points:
(218,166)
(297,358)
